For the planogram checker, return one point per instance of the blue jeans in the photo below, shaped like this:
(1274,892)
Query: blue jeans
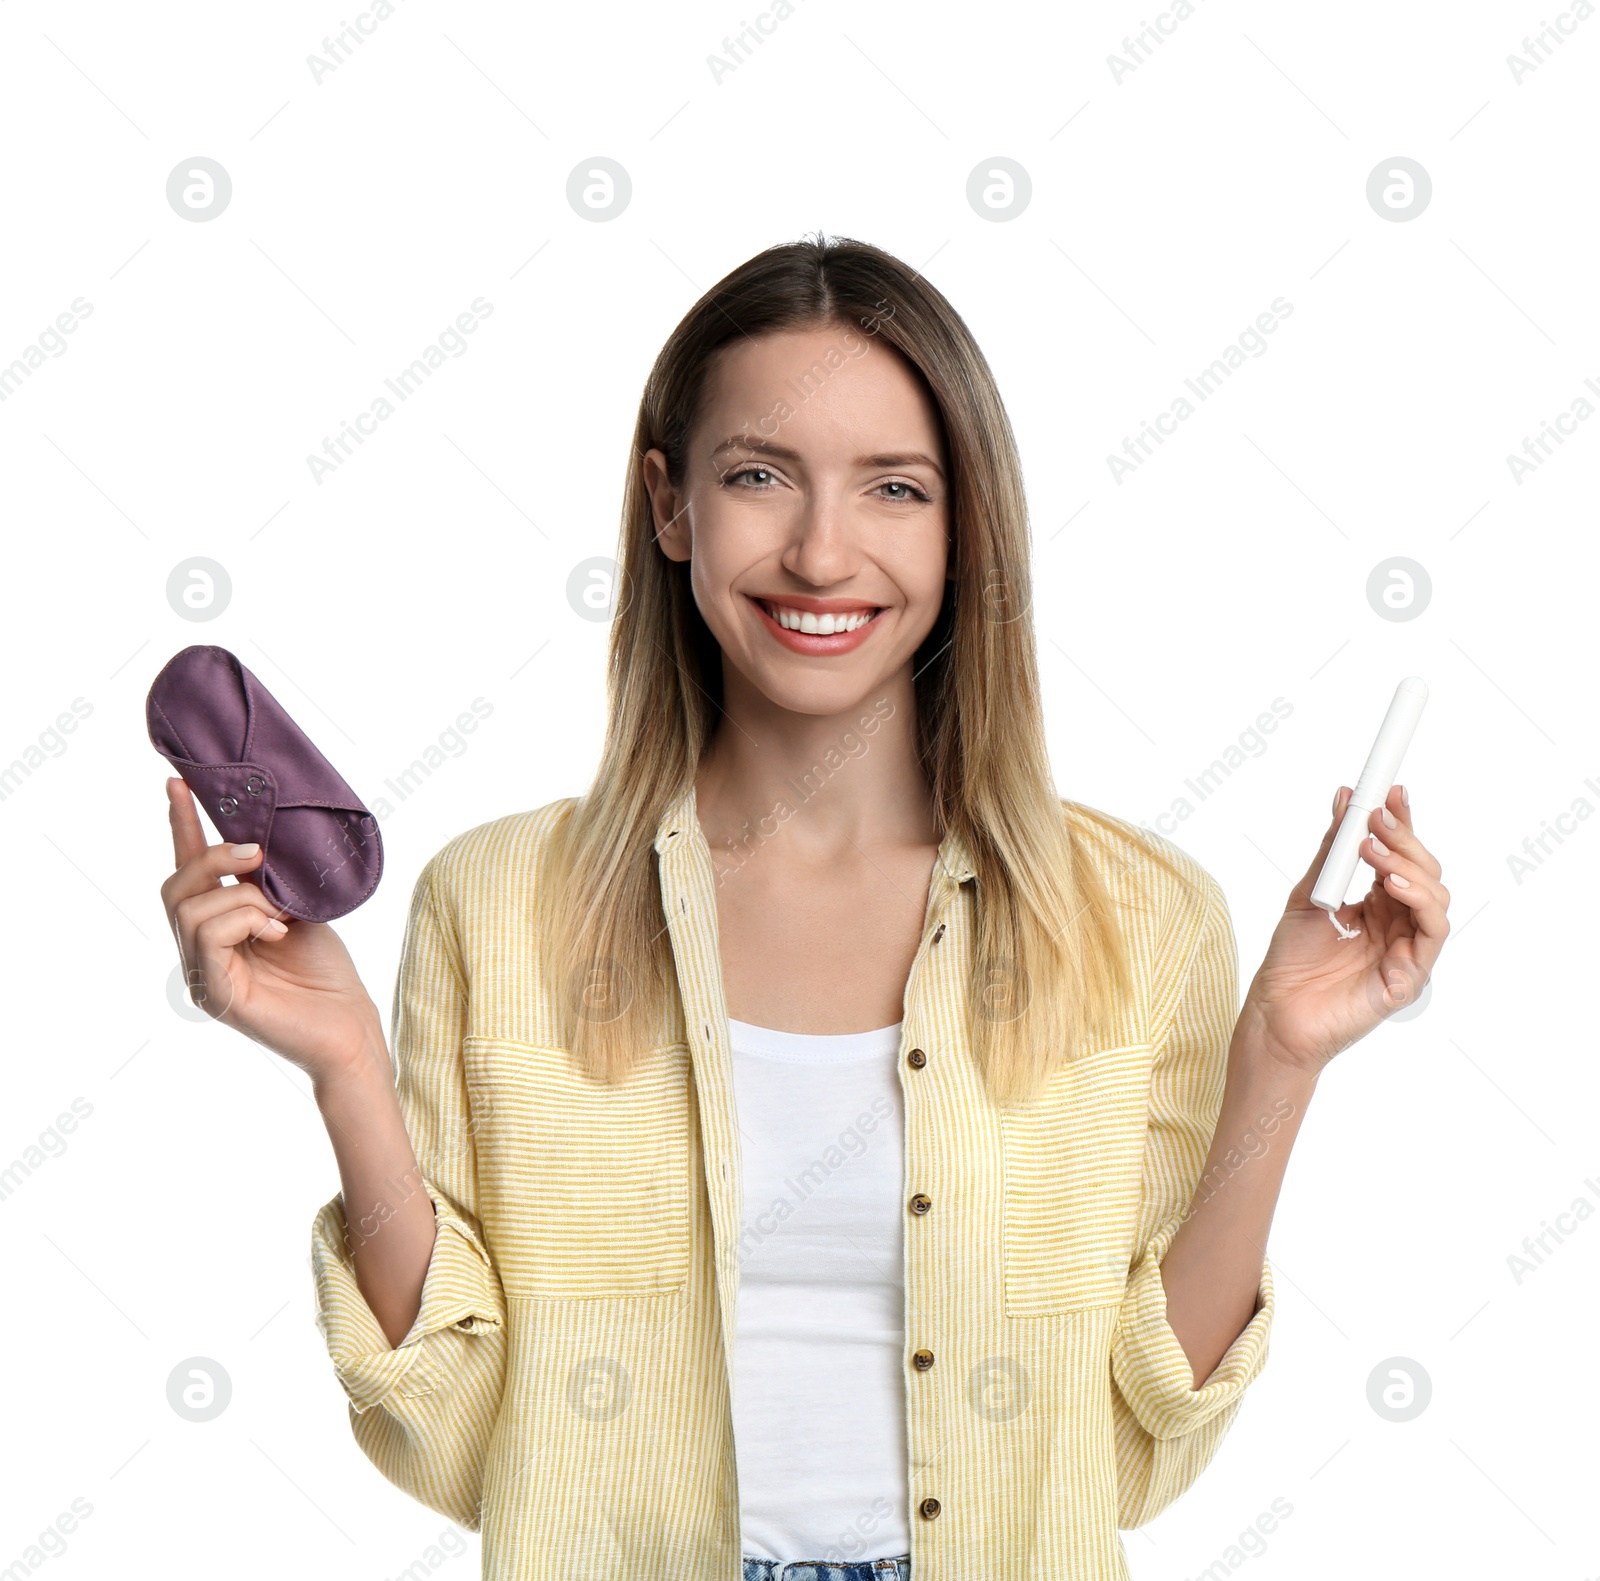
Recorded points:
(823,1570)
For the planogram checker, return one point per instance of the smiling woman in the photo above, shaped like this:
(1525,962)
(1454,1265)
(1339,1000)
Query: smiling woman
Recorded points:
(891,492)
(750,490)
(604,1280)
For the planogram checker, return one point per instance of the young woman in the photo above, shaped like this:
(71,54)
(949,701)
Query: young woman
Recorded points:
(819,1152)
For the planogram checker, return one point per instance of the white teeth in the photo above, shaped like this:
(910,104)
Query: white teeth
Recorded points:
(819,625)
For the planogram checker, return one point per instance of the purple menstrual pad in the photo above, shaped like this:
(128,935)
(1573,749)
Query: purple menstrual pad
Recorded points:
(259,777)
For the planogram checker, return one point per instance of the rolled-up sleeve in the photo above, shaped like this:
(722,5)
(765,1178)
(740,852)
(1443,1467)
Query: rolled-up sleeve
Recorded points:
(1168,1430)
(461,1292)
(423,1410)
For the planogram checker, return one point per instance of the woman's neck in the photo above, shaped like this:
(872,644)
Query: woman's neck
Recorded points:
(838,785)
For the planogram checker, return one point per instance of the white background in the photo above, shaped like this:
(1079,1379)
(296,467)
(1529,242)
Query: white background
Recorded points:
(1168,209)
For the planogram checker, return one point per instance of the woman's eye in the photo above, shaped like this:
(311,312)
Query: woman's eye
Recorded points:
(763,478)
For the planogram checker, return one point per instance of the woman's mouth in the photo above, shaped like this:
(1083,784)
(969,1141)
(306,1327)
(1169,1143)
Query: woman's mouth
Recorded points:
(827,631)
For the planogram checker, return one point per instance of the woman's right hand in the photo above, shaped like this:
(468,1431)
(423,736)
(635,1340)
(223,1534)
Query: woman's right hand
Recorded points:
(289,985)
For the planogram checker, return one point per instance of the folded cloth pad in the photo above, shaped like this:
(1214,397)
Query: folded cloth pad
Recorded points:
(258,776)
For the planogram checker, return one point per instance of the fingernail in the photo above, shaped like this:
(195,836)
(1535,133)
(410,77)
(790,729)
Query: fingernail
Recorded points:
(1398,882)
(1336,796)
(1379,846)
(1405,797)
(243,850)
(1390,819)
(275,927)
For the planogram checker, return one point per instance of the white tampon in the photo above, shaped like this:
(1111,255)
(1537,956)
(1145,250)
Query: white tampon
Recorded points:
(1371,790)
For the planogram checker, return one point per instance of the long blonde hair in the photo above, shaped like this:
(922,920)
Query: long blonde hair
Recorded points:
(1047,939)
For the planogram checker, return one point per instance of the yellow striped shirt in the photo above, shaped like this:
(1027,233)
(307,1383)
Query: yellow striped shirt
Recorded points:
(565,1388)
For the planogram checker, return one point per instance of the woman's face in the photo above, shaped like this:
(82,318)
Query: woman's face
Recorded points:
(814,514)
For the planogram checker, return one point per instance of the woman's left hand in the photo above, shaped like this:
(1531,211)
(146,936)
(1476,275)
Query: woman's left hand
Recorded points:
(1317,993)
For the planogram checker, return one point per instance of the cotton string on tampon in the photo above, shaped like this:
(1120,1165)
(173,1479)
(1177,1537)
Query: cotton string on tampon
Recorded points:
(1372,788)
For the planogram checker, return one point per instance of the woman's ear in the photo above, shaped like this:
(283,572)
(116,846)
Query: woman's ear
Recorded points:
(670,516)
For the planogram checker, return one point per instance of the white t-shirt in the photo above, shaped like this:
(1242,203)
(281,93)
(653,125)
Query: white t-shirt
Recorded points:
(819,1369)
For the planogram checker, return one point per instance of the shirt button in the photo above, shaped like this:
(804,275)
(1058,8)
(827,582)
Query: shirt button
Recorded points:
(921,1203)
(928,1509)
(916,1059)
(922,1360)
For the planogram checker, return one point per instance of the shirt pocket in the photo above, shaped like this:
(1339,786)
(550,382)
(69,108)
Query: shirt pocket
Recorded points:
(584,1187)
(1073,1161)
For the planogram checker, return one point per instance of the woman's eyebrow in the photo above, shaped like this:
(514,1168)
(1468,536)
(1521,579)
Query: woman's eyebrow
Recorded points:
(896,458)
(748,442)
(900,458)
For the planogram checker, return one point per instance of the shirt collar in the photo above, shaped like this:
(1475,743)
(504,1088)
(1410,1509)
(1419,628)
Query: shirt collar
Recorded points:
(680,821)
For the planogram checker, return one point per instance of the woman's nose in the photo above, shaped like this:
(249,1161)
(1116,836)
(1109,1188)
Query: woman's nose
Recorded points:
(821,550)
